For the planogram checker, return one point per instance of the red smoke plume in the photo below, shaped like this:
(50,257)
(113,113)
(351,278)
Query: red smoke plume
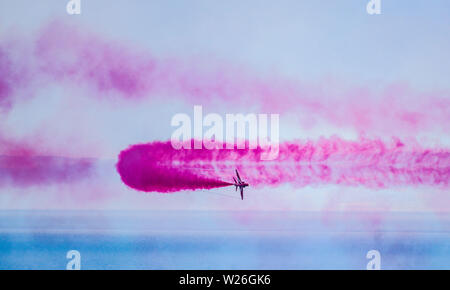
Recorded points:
(152,167)
(371,163)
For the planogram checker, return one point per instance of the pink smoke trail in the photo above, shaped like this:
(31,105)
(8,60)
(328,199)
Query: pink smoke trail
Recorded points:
(153,168)
(13,74)
(371,163)
(63,53)
(42,170)
(21,165)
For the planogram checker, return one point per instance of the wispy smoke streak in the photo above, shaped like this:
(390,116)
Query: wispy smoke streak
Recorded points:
(370,163)
(21,165)
(66,54)
(42,170)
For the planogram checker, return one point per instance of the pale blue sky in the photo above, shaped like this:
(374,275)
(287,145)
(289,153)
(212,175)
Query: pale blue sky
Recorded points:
(408,42)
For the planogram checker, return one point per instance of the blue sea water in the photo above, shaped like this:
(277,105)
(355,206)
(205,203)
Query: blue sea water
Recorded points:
(221,240)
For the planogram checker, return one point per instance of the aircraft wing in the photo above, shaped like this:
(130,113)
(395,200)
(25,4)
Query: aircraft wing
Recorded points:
(238,177)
